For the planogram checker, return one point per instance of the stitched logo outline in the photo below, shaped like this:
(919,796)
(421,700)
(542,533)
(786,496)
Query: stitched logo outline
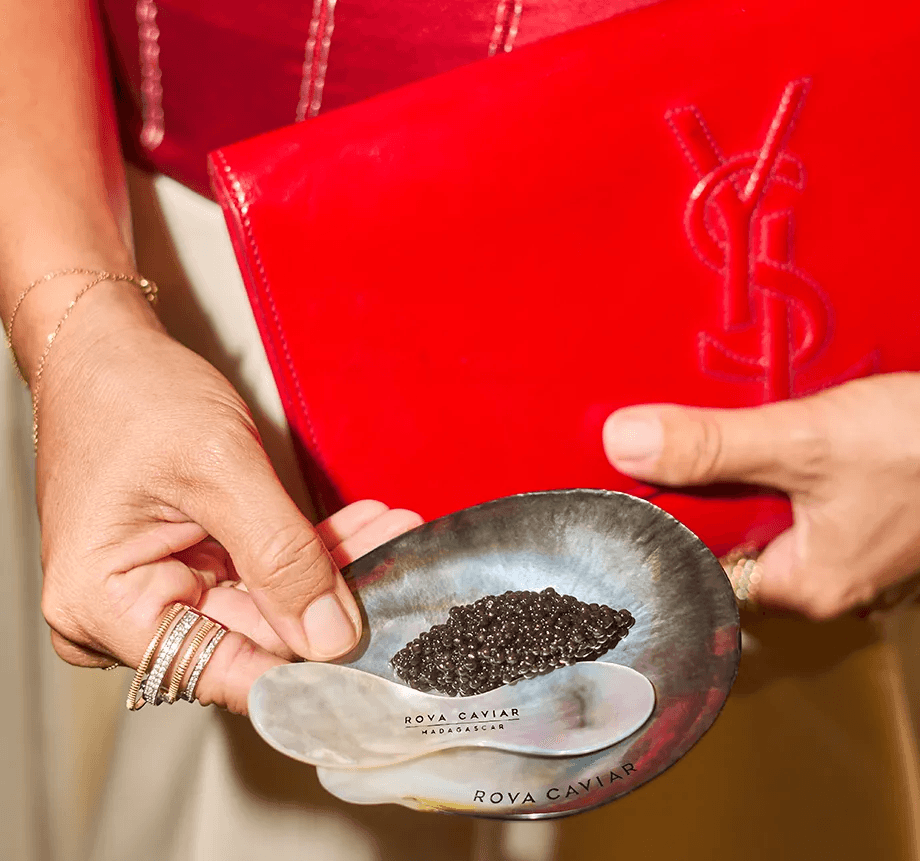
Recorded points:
(739,219)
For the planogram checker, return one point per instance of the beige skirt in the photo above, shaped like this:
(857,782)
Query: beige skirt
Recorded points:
(813,756)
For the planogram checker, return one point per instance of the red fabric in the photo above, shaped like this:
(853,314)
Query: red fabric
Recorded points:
(233,69)
(458,281)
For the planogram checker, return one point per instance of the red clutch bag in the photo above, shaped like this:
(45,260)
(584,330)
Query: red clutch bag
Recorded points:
(708,202)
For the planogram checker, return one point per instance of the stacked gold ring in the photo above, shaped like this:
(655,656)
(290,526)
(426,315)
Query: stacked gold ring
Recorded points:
(744,572)
(181,668)
(162,676)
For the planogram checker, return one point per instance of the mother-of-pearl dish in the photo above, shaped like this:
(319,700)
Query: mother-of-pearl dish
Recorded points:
(599,546)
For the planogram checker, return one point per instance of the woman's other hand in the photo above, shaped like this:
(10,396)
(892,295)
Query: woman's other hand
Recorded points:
(849,459)
(153,488)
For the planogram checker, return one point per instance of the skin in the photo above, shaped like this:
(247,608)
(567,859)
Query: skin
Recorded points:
(849,458)
(152,484)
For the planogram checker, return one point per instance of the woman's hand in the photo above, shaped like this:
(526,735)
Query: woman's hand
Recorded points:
(152,484)
(153,488)
(849,458)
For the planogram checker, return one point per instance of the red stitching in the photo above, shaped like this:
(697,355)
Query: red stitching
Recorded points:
(866,366)
(726,224)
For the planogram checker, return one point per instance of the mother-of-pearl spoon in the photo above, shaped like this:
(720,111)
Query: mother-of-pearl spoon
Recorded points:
(338,717)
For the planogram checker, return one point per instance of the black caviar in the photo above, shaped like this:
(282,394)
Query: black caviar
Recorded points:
(501,639)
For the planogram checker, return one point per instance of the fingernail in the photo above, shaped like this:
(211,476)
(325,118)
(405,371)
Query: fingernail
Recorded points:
(330,632)
(633,438)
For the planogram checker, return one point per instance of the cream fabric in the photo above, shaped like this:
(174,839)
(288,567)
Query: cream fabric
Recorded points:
(812,757)
(56,722)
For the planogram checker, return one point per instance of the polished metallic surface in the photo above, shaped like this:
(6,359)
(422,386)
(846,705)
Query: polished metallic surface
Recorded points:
(600,547)
(344,718)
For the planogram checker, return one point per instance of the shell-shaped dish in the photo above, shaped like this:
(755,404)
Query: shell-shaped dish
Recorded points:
(599,546)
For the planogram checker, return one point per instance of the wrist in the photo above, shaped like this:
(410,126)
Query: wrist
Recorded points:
(106,307)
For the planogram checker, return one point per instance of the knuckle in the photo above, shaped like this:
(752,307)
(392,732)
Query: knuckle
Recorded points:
(820,609)
(59,618)
(230,443)
(77,655)
(222,447)
(704,453)
(831,601)
(812,443)
(66,650)
(293,560)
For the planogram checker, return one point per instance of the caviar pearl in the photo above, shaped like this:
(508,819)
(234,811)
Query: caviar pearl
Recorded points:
(500,639)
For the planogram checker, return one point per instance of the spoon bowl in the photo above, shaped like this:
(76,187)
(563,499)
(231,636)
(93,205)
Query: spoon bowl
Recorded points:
(338,717)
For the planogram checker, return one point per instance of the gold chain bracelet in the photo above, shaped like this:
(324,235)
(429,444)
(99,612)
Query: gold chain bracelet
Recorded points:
(147,287)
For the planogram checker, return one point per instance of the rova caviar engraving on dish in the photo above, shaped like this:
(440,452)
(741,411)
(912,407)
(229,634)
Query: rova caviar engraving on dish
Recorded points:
(501,639)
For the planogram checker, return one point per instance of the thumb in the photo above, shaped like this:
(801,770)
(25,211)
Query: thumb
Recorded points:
(777,445)
(286,567)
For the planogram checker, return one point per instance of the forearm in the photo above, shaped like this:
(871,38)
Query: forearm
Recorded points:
(63,200)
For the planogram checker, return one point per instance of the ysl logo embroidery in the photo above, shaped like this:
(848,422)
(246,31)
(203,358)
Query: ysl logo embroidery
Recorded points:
(776,319)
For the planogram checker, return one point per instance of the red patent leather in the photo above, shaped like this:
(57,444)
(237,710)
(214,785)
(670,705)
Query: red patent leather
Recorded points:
(195,75)
(708,203)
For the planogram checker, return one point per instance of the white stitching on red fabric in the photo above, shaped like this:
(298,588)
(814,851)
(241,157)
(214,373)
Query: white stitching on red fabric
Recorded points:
(506,26)
(148,36)
(316,59)
(499,28)
(306,78)
(514,25)
(243,206)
